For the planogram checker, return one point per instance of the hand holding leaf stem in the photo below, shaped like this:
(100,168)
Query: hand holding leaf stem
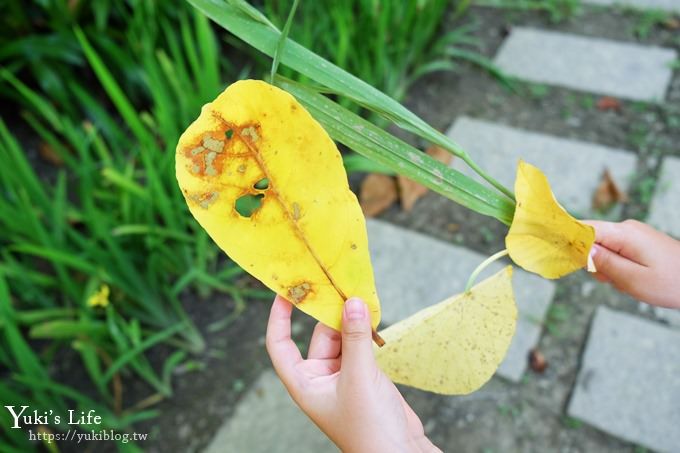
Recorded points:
(638,260)
(340,387)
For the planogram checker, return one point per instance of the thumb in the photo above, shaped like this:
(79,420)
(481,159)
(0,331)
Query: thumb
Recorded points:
(621,271)
(357,346)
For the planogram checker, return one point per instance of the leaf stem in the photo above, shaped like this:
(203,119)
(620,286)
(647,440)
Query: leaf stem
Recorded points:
(483,266)
(377,338)
(490,179)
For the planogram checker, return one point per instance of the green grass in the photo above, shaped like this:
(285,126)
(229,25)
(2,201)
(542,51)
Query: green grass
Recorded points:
(389,45)
(110,216)
(647,21)
(556,10)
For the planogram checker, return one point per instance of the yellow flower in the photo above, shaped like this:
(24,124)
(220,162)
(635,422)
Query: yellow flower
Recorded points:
(100,298)
(543,237)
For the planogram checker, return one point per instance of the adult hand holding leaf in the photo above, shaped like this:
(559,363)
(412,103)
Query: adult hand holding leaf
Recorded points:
(267,183)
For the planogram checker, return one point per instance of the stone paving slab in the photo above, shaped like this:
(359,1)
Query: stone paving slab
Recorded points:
(642,357)
(268,421)
(664,212)
(666,5)
(413,271)
(624,70)
(668,315)
(574,168)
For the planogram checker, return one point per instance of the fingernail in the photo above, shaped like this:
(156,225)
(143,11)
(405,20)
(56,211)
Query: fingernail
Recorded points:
(355,309)
(593,251)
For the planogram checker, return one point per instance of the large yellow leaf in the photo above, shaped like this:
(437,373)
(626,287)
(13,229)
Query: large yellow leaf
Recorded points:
(543,237)
(256,145)
(455,346)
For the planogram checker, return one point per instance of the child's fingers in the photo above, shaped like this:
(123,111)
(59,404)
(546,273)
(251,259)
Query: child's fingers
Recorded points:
(358,361)
(622,272)
(282,350)
(325,343)
(622,238)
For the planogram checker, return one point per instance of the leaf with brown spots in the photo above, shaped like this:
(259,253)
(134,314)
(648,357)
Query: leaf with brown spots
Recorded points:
(455,346)
(378,192)
(267,183)
(608,193)
(411,191)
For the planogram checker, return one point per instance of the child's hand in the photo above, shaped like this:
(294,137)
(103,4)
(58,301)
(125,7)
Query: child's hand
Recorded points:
(638,260)
(340,387)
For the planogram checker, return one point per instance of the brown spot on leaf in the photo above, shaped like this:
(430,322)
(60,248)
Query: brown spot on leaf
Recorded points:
(298,293)
(204,200)
(296,211)
(250,132)
(212,144)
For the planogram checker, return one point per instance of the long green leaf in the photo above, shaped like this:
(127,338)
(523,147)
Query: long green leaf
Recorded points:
(384,148)
(266,39)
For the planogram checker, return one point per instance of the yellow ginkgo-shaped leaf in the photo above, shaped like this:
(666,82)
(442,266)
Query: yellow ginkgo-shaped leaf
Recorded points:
(455,346)
(543,237)
(267,183)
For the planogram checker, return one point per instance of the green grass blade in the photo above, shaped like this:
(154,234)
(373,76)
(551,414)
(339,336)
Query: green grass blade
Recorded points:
(266,39)
(133,352)
(282,41)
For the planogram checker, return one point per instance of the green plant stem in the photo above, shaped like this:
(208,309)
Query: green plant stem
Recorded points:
(487,177)
(482,266)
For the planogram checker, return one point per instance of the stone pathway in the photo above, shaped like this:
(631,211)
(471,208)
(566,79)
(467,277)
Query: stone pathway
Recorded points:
(629,71)
(498,148)
(268,421)
(628,384)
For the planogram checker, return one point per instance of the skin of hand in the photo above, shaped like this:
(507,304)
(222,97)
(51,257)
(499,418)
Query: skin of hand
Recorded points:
(340,387)
(638,260)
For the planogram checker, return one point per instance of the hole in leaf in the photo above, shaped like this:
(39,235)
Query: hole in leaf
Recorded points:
(246,205)
(262,184)
(229,133)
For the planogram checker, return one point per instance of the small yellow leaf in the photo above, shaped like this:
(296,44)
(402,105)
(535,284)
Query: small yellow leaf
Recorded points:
(455,346)
(267,183)
(543,237)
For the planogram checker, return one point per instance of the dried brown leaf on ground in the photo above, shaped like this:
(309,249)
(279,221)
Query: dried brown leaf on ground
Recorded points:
(608,193)
(410,191)
(378,192)
(606,103)
(49,155)
(439,153)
